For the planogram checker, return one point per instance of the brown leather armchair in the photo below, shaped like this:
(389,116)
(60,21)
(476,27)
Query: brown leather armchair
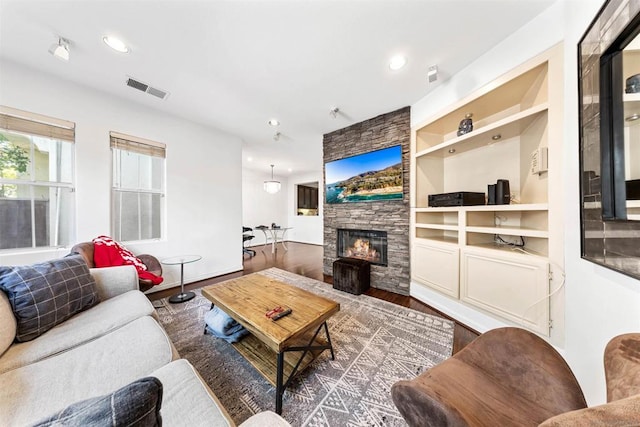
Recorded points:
(153,265)
(511,377)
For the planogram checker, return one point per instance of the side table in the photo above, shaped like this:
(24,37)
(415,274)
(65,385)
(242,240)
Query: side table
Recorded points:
(182,260)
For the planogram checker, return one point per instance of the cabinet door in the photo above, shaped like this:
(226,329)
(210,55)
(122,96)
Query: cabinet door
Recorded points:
(314,198)
(437,266)
(512,286)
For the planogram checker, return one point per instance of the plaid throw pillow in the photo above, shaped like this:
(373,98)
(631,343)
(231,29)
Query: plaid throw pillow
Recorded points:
(136,404)
(46,294)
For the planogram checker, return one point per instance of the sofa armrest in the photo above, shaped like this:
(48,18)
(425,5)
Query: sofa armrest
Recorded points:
(266,418)
(623,412)
(112,281)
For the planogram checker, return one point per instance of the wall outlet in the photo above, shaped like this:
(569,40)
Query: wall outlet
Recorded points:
(539,161)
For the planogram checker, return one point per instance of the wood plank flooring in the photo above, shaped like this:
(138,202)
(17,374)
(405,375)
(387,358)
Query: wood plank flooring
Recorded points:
(306,260)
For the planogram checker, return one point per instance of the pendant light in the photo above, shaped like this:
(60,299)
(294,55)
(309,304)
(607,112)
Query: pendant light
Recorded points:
(272,186)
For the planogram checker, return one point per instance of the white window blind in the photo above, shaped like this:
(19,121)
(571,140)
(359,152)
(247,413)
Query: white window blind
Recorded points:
(138,187)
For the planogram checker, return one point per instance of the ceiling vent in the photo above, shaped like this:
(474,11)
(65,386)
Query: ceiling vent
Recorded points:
(136,84)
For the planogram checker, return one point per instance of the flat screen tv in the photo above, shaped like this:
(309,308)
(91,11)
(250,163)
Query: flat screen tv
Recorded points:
(367,177)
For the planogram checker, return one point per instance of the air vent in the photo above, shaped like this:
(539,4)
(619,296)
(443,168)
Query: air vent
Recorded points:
(136,84)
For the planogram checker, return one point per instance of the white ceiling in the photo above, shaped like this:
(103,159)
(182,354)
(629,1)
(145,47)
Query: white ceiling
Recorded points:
(235,64)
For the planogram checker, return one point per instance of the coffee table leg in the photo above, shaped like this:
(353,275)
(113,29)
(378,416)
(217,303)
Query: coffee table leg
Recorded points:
(279,390)
(326,331)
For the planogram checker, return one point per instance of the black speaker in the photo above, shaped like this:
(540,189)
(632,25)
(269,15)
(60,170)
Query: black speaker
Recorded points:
(503,194)
(491,194)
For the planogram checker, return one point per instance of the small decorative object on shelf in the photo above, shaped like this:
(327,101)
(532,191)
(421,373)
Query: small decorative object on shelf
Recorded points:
(466,124)
(633,84)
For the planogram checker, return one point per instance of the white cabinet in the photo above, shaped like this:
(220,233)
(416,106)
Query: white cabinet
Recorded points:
(508,285)
(496,258)
(437,266)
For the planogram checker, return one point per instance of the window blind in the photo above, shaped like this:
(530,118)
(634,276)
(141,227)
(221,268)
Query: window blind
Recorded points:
(36,124)
(137,145)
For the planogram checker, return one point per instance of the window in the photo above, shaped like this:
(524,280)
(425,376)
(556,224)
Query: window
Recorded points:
(36,180)
(138,188)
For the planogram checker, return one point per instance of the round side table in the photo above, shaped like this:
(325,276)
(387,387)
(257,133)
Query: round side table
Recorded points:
(182,260)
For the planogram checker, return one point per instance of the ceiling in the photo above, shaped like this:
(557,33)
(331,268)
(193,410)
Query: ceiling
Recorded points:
(235,64)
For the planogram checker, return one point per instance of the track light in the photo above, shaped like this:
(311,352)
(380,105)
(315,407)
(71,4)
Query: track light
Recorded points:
(61,49)
(334,112)
(276,136)
(432,74)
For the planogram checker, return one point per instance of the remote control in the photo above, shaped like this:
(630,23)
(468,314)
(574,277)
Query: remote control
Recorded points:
(281,314)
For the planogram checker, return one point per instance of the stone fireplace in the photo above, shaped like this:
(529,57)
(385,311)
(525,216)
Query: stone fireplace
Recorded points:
(369,245)
(388,216)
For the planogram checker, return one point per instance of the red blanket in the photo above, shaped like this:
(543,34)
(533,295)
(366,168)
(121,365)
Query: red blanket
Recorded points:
(109,253)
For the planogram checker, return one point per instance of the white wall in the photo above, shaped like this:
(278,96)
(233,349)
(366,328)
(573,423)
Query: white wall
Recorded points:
(203,199)
(260,207)
(306,229)
(599,303)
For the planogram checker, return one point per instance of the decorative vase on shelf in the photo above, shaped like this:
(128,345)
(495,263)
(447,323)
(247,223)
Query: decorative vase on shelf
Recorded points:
(466,124)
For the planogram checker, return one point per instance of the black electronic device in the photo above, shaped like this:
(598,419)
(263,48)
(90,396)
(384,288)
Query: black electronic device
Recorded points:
(491,194)
(503,193)
(458,198)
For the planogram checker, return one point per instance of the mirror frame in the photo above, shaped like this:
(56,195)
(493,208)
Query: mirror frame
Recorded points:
(607,236)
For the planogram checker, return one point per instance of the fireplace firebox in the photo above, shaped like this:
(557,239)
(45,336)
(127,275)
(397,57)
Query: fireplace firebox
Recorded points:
(369,245)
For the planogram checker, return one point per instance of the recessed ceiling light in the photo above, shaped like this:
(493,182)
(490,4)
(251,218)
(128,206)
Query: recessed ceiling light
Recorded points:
(116,44)
(397,62)
(249,159)
(274,122)
(290,170)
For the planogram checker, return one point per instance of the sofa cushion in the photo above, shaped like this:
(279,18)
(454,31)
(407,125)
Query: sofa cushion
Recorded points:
(105,317)
(7,323)
(101,366)
(46,294)
(187,401)
(623,412)
(136,404)
(266,418)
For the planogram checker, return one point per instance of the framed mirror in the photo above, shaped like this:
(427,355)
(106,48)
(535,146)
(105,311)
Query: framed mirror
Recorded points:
(609,107)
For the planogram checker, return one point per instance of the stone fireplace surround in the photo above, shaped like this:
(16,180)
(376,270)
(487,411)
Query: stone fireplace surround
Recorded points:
(385,130)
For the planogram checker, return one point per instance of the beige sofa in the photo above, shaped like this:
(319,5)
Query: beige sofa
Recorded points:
(98,351)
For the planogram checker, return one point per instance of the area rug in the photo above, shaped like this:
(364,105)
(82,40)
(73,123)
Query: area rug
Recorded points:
(376,343)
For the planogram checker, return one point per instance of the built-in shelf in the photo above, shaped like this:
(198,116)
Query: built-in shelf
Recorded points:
(631,107)
(510,231)
(438,226)
(490,208)
(510,249)
(507,128)
(440,239)
(455,250)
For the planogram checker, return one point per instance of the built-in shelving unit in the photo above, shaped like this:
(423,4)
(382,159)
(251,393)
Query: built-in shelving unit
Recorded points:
(475,254)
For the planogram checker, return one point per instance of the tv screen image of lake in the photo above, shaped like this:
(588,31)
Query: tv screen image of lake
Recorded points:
(372,176)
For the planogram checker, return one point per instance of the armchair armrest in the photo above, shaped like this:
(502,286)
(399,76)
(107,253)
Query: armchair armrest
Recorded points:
(112,281)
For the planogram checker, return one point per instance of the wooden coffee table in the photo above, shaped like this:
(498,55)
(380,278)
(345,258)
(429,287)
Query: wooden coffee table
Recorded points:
(281,347)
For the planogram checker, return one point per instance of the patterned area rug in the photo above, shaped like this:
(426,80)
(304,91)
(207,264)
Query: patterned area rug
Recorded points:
(376,343)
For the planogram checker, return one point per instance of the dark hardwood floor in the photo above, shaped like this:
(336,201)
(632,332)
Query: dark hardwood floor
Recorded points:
(306,260)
